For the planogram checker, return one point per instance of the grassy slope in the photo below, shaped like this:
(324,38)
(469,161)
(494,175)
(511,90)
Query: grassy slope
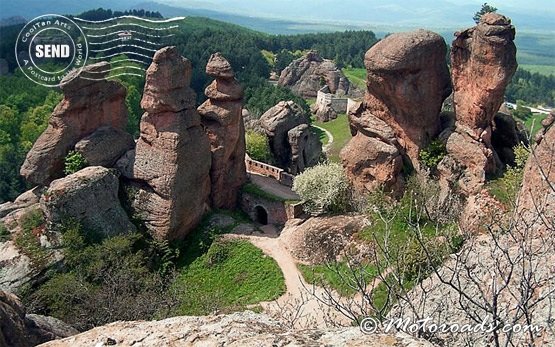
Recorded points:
(356,76)
(339,128)
(241,276)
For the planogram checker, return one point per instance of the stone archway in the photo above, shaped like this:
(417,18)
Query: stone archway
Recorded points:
(261,215)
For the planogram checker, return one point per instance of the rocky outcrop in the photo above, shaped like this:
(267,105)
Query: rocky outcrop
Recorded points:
(306,75)
(321,240)
(221,116)
(371,164)
(105,146)
(90,102)
(536,204)
(20,268)
(293,150)
(483,60)
(169,171)
(506,134)
(407,82)
(325,113)
(89,196)
(238,329)
(26,199)
(547,123)
(18,329)
(306,148)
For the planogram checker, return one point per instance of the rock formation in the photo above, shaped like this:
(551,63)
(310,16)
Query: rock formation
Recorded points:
(294,148)
(169,171)
(320,240)
(105,146)
(238,329)
(89,196)
(325,113)
(18,329)
(221,116)
(90,102)
(407,82)
(483,60)
(306,148)
(306,75)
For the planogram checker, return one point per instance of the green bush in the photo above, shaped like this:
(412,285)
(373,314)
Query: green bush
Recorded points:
(506,188)
(74,162)
(432,154)
(217,253)
(324,188)
(103,280)
(27,240)
(4,233)
(258,147)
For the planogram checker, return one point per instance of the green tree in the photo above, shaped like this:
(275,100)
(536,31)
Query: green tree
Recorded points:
(324,188)
(486,8)
(258,147)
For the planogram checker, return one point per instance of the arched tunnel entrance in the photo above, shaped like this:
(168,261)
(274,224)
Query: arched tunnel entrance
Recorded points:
(261,215)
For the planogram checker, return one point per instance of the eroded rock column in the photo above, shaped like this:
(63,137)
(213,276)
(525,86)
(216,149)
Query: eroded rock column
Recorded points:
(169,171)
(222,119)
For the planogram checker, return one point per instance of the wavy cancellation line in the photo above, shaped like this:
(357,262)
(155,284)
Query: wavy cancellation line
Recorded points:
(121,46)
(132,32)
(131,17)
(112,76)
(119,40)
(128,59)
(120,53)
(117,68)
(131,24)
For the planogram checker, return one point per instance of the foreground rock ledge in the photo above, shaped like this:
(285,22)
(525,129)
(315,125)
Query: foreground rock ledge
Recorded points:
(238,329)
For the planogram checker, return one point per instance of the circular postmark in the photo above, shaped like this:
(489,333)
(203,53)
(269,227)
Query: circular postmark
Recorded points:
(49,47)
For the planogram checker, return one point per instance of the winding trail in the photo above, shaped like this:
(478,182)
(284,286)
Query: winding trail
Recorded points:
(329,135)
(299,300)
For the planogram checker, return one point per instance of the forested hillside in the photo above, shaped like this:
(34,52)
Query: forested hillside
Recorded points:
(25,107)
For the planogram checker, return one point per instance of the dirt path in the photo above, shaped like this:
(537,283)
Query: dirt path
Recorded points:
(272,186)
(298,299)
(330,138)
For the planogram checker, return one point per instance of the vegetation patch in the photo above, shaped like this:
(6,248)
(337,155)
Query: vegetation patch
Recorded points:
(357,76)
(505,188)
(257,147)
(324,188)
(432,154)
(253,189)
(341,132)
(27,240)
(4,233)
(74,162)
(229,276)
(104,279)
(338,276)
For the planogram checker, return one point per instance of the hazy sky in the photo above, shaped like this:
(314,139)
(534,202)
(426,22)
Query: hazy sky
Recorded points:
(438,13)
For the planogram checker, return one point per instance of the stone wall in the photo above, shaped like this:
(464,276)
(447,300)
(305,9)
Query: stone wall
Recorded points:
(324,98)
(276,210)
